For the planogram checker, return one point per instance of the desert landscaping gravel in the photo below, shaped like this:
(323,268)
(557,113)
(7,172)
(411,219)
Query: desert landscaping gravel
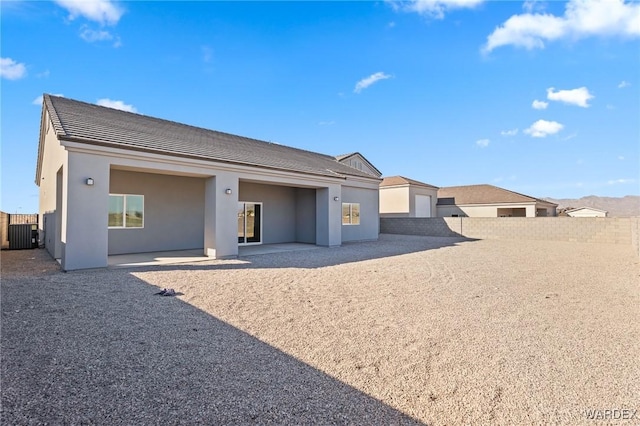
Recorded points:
(406,330)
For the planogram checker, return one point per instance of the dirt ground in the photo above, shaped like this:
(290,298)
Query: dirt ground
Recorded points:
(400,331)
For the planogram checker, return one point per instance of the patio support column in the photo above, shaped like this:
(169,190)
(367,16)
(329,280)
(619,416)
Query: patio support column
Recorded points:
(85,211)
(329,216)
(221,216)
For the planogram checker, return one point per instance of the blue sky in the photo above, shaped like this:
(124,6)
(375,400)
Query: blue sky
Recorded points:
(537,97)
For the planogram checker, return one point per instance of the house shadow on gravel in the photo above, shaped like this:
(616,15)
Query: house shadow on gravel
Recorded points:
(98,347)
(387,246)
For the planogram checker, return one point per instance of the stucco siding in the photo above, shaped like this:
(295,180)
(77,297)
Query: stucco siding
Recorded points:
(394,202)
(278,210)
(84,216)
(369,226)
(173,212)
(54,157)
(305,215)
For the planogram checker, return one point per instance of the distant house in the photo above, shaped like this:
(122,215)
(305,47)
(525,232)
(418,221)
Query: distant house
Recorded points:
(490,201)
(404,197)
(586,212)
(115,182)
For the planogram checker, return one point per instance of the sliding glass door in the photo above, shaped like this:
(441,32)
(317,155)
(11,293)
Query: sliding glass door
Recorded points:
(249,223)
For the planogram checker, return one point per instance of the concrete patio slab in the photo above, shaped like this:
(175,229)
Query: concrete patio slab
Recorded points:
(195,255)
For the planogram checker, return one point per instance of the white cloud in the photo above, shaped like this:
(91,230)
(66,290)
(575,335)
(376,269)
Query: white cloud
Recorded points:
(533,6)
(483,143)
(579,97)
(116,105)
(104,12)
(433,8)
(543,128)
(582,18)
(368,81)
(12,70)
(326,123)
(536,104)
(91,36)
(38,100)
(87,34)
(511,132)
(620,157)
(623,84)
(620,181)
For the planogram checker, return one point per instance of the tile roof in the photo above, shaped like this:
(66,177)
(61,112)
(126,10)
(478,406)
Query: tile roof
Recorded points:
(343,156)
(97,125)
(482,194)
(401,180)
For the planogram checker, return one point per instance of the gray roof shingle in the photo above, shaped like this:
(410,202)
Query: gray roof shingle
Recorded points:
(482,194)
(92,124)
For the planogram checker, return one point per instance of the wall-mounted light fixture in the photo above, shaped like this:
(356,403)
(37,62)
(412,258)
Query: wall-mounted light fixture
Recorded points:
(89,181)
(227,191)
(336,198)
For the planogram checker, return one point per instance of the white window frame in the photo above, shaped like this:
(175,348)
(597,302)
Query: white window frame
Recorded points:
(124,212)
(351,214)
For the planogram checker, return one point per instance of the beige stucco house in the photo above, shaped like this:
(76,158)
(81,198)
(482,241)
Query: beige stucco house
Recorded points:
(114,182)
(586,212)
(404,197)
(490,201)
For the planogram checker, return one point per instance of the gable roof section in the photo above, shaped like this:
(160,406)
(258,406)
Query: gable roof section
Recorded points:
(483,194)
(401,180)
(91,124)
(344,157)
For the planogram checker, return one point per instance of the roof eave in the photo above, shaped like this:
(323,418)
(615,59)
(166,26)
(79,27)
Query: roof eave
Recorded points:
(332,174)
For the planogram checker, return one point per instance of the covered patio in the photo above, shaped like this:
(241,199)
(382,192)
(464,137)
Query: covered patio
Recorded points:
(175,257)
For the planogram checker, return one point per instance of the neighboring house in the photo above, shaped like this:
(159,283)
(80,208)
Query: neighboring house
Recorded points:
(404,197)
(490,201)
(114,182)
(586,212)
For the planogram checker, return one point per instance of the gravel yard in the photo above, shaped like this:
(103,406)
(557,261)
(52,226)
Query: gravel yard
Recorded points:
(405,330)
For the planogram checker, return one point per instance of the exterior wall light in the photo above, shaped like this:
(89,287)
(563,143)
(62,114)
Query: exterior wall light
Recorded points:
(227,191)
(89,181)
(336,198)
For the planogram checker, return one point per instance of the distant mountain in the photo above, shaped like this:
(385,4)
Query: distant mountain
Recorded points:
(616,206)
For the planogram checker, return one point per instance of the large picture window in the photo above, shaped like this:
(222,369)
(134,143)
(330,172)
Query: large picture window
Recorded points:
(126,211)
(350,213)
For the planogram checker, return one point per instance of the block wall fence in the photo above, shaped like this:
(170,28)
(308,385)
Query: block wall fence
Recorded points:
(615,230)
